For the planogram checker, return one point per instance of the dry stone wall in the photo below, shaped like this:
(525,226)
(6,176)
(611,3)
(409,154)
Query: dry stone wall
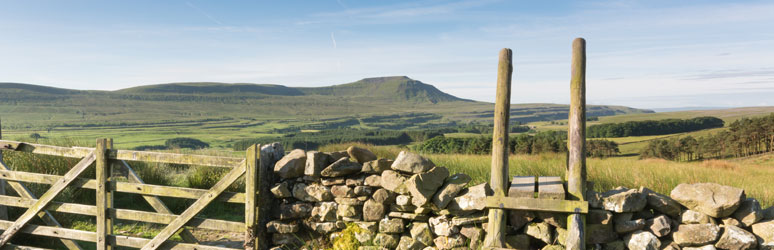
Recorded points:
(410,203)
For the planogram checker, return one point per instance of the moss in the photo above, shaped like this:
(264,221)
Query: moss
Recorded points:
(347,239)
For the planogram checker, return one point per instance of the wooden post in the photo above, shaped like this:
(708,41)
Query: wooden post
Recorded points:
(3,209)
(576,138)
(251,196)
(499,172)
(104,194)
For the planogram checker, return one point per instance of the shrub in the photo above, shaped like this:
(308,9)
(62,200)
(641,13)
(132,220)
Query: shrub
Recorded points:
(183,142)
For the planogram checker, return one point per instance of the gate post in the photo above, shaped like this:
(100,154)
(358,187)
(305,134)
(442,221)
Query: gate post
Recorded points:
(3,209)
(499,172)
(251,196)
(576,140)
(104,199)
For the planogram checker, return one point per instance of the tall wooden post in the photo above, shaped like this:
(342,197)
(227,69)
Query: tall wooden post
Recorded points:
(104,194)
(499,172)
(576,140)
(251,197)
(3,209)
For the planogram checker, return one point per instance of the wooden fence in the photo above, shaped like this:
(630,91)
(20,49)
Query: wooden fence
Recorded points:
(256,168)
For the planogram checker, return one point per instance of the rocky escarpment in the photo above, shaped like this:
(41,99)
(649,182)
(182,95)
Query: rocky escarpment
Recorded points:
(410,203)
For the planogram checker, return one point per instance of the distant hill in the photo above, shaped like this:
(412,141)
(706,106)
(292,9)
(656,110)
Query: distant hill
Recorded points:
(389,88)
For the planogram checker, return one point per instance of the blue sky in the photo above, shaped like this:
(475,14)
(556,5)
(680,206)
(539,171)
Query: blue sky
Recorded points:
(645,54)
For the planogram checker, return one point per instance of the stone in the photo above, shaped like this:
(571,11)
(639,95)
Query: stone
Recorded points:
(599,234)
(403,200)
(711,199)
(669,245)
(662,203)
(622,200)
(599,216)
(363,190)
(749,212)
(358,180)
(764,230)
(368,226)
(361,155)
(443,226)
(324,227)
(376,166)
(735,238)
(332,181)
(520,242)
(518,218)
(315,163)
(553,219)
(623,227)
(541,231)
(642,240)
(386,240)
(292,165)
(398,208)
(408,243)
(695,234)
(294,210)
(312,193)
(472,198)
(393,225)
(411,163)
(286,239)
(364,237)
(449,242)
(659,225)
(336,155)
(341,167)
(342,191)
(615,245)
(694,217)
(373,211)
(281,190)
(345,210)
(768,214)
(705,247)
(373,181)
(451,187)
(645,214)
(324,211)
(359,201)
(284,227)
(423,186)
(473,219)
(474,234)
(394,182)
(381,196)
(421,232)
(595,199)
(408,216)
(729,221)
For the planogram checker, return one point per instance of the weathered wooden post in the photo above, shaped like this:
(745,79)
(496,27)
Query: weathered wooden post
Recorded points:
(104,194)
(3,209)
(251,196)
(499,172)
(576,140)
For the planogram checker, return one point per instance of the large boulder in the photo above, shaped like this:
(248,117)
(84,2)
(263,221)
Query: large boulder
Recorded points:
(471,199)
(423,186)
(662,203)
(749,212)
(451,187)
(412,163)
(687,235)
(292,165)
(394,181)
(316,162)
(735,238)
(764,230)
(642,240)
(360,155)
(622,200)
(341,167)
(709,198)
(376,166)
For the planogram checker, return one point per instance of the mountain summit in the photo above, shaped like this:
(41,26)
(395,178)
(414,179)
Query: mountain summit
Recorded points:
(390,88)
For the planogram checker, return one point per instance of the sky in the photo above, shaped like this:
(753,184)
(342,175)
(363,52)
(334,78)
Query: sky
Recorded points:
(643,54)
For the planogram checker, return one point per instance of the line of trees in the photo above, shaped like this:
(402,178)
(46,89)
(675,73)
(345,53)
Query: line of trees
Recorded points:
(660,127)
(745,137)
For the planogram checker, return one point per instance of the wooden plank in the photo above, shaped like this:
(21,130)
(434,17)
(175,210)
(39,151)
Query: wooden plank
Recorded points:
(123,187)
(532,204)
(20,247)
(74,152)
(251,196)
(522,187)
(499,170)
(45,216)
(196,207)
(576,139)
(3,209)
(124,214)
(199,160)
(155,202)
(125,241)
(49,195)
(103,200)
(550,187)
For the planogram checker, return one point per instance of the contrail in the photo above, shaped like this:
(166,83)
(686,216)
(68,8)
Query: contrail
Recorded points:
(203,13)
(334,40)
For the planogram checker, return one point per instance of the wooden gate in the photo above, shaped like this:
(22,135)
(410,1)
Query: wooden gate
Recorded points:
(256,167)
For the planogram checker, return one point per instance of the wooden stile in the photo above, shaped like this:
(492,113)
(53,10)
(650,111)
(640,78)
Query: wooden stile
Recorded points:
(499,171)
(104,197)
(576,139)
